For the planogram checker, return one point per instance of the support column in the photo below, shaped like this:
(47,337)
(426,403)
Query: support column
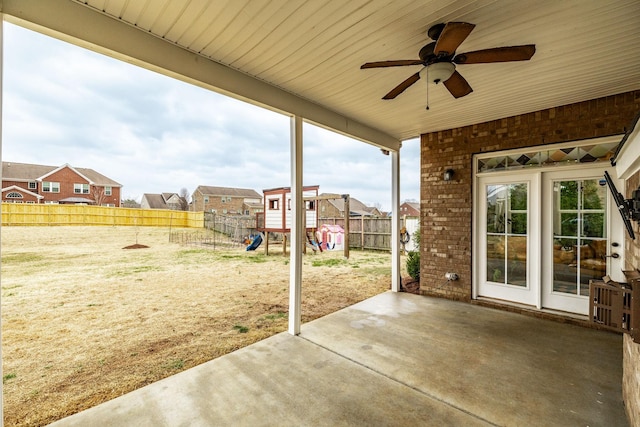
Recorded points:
(1,143)
(395,221)
(297,227)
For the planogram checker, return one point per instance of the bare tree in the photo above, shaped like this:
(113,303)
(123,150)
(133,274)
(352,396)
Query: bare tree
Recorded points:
(184,199)
(98,194)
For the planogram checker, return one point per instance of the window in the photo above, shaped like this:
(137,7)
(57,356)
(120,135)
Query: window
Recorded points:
(50,202)
(107,190)
(14,195)
(311,205)
(273,204)
(206,199)
(33,185)
(50,187)
(81,188)
(547,156)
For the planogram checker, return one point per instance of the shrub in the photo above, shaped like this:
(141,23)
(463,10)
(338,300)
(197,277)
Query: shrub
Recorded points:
(416,237)
(413,264)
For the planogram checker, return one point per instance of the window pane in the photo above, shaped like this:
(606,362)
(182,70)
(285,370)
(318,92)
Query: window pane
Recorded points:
(568,195)
(518,197)
(593,225)
(517,260)
(495,259)
(564,265)
(570,224)
(593,195)
(518,223)
(496,198)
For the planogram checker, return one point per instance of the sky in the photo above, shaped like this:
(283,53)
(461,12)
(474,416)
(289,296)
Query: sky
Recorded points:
(64,104)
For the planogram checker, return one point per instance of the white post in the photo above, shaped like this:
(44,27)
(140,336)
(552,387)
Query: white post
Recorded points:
(1,102)
(395,221)
(297,227)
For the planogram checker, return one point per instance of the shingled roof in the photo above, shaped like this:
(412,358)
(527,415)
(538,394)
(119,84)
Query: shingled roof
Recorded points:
(12,171)
(228,191)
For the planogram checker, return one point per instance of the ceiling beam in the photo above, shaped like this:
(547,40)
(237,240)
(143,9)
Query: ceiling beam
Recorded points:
(83,26)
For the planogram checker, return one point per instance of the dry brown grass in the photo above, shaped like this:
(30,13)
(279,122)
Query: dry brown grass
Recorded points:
(84,321)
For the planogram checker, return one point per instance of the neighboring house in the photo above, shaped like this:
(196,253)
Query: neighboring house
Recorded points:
(277,209)
(29,183)
(171,201)
(334,208)
(410,209)
(226,200)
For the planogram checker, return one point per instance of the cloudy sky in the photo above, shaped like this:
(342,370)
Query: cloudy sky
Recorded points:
(153,134)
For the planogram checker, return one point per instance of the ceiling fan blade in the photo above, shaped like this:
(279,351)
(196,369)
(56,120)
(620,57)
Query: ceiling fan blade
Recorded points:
(398,63)
(402,86)
(451,37)
(457,85)
(497,54)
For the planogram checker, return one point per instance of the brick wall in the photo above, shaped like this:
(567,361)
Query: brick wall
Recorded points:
(446,206)
(631,350)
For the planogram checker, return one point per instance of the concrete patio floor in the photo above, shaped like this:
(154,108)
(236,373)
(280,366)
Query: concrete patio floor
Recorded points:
(395,359)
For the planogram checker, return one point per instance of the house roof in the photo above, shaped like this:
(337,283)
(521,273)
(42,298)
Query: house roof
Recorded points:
(155,201)
(13,171)
(228,191)
(304,58)
(355,206)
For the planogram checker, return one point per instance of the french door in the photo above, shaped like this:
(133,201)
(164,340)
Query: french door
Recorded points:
(508,238)
(582,235)
(542,236)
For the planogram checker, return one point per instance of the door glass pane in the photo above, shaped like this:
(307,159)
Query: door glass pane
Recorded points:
(579,235)
(507,229)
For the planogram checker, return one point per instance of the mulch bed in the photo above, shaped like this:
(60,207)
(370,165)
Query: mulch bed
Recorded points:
(410,285)
(136,246)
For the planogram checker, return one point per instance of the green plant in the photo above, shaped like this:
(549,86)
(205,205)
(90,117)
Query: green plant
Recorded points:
(241,329)
(416,238)
(8,377)
(413,264)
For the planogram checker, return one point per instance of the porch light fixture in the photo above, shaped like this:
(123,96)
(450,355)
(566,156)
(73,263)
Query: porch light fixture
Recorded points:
(448,175)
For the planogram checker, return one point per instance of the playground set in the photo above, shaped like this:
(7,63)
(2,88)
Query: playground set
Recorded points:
(276,218)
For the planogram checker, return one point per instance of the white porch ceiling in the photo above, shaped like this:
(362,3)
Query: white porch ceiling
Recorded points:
(312,50)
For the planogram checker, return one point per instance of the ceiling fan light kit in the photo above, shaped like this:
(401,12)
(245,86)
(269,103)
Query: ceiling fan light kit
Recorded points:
(438,59)
(437,72)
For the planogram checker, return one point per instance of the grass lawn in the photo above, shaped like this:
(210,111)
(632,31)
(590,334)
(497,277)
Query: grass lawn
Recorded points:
(85,321)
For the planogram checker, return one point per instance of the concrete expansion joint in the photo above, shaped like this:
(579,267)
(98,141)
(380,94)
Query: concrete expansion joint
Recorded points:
(369,368)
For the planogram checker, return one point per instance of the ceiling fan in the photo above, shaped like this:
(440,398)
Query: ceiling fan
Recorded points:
(439,59)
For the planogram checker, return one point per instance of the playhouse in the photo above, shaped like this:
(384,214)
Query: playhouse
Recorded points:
(331,237)
(277,209)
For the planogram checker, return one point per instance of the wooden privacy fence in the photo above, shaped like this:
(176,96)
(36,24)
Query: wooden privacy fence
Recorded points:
(368,232)
(40,214)
(237,227)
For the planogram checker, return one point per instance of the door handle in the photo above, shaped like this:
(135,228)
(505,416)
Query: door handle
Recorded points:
(613,255)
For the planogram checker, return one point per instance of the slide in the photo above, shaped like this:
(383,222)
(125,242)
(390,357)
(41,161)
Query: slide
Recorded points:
(257,239)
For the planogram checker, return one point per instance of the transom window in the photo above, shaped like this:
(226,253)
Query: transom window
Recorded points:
(548,156)
(50,187)
(14,195)
(81,188)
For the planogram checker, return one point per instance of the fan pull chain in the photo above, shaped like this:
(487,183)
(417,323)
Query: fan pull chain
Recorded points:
(427,88)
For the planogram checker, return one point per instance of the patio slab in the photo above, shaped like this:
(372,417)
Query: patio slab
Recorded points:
(394,359)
